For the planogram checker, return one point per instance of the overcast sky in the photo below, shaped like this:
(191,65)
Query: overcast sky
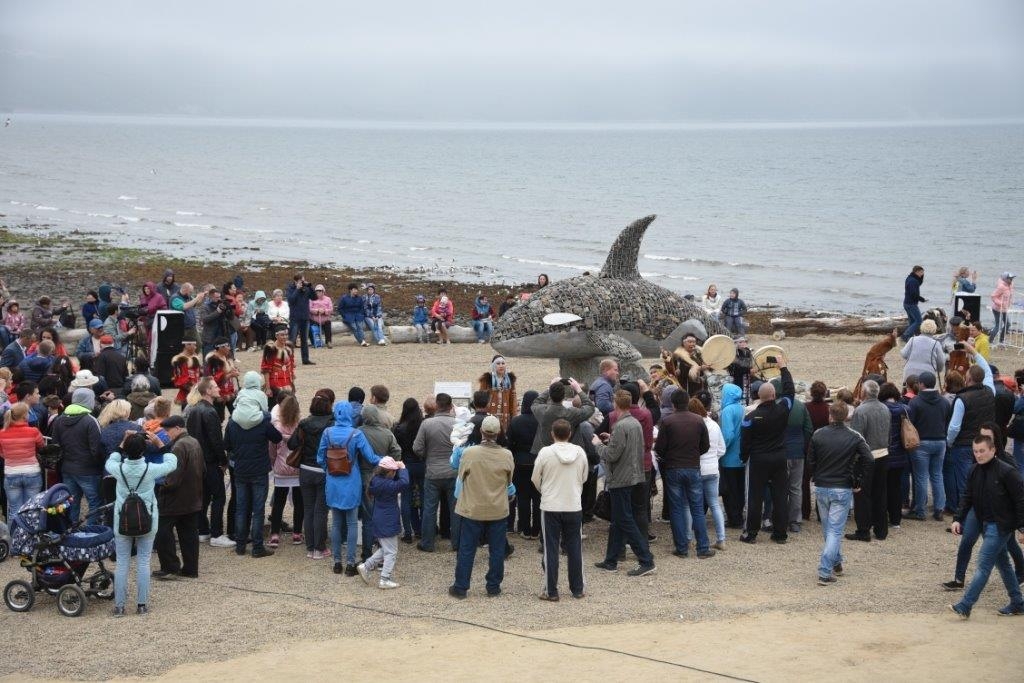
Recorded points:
(558,60)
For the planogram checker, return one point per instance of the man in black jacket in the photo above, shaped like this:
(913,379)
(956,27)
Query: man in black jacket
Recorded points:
(929,413)
(995,492)
(837,459)
(299,294)
(77,432)
(763,445)
(203,425)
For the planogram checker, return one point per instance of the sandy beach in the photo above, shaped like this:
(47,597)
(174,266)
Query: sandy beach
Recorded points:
(752,611)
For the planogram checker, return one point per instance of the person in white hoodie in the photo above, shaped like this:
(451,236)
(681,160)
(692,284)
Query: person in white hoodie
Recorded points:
(559,473)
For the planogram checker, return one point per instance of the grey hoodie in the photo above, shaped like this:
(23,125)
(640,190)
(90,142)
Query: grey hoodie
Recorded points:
(559,473)
(381,439)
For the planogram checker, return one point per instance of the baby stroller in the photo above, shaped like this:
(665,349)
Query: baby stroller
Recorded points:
(57,554)
(5,542)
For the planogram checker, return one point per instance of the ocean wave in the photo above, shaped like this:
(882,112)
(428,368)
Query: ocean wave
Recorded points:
(188,213)
(262,208)
(419,248)
(201,226)
(131,219)
(538,262)
(754,266)
(142,208)
(40,207)
(362,241)
(18,203)
(126,198)
(100,215)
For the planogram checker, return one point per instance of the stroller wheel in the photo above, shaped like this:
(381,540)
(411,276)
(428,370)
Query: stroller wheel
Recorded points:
(71,600)
(102,586)
(19,596)
(5,550)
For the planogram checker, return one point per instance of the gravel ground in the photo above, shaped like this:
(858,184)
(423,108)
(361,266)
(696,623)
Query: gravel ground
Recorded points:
(242,606)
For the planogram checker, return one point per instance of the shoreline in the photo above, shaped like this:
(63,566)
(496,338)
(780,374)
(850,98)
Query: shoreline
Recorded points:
(24,248)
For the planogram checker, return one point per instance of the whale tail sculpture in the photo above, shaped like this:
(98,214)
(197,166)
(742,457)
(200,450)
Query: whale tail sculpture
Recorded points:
(615,314)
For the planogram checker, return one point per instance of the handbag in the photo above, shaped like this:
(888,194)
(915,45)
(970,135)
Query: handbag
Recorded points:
(338,461)
(908,434)
(294,458)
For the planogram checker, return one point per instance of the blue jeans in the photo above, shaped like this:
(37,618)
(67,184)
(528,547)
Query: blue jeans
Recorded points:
(914,321)
(711,499)
(432,490)
(469,540)
(961,461)
(300,329)
(970,530)
(992,553)
(484,329)
(350,519)
(376,325)
(19,488)
(686,491)
(87,485)
(624,528)
(144,549)
(927,461)
(249,507)
(735,324)
(834,508)
(357,330)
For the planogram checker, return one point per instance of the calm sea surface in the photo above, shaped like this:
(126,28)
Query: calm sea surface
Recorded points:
(827,217)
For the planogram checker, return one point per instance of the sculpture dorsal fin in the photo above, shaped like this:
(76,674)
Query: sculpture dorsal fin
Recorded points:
(622,258)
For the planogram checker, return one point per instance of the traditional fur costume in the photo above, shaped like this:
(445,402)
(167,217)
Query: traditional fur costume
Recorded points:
(874,363)
(503,404)
(279,366)
(186,371)
(219,369)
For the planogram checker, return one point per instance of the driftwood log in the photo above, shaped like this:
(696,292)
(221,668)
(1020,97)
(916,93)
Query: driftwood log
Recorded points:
(796,327)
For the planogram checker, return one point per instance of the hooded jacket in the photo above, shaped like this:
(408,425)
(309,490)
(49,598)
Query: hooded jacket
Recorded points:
(559,474)
(522,430)
(77,432)
(930,413)
(1002,296)
(682,438)
(547,412)
(350,308)
(251,402)
(182,489)
(345,492)
(898,456)
(623,456)
(250,448)
(154,302)
(35,367)
(168,291)
(730,418)
(382,440)
(387,519)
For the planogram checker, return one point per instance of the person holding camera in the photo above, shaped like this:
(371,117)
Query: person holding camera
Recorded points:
(216,316)
(299,294)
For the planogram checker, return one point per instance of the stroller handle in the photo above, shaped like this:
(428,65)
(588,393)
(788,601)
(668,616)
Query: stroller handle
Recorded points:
(90,513)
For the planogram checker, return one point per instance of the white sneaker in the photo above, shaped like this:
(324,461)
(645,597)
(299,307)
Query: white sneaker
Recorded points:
(480,341)
(204,538)
(382,342)
(222,542)
(361,568)
(387,584)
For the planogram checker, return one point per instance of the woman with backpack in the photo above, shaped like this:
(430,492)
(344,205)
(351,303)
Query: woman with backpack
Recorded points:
(135,514)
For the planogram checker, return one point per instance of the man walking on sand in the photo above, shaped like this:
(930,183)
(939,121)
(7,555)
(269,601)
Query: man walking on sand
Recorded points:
(485,472)
(559,473)
(623,460)
(837,459)
(995,492)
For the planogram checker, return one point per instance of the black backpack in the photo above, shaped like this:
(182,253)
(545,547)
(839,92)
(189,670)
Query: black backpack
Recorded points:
(136,519)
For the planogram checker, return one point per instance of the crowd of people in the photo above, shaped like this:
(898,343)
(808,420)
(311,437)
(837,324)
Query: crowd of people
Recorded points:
(543,462)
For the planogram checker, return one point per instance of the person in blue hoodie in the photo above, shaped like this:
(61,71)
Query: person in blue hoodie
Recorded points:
(345,491)
(350,308)
(421,320)
(733,469)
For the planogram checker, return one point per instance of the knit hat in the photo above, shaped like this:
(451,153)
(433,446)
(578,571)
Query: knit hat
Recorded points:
(490,425)
(387,463)
(84,397)
(1008,275)
(420,298)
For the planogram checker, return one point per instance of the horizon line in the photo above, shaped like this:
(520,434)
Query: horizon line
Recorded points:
(455,124)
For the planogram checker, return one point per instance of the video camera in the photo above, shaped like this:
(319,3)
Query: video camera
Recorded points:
(132,312)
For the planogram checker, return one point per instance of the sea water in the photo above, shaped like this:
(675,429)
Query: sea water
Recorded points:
(822,216)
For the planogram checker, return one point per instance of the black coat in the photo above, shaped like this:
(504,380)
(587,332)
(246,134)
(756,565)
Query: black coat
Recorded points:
(995,491)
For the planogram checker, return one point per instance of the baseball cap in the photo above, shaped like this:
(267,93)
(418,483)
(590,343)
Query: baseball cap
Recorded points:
(95,324)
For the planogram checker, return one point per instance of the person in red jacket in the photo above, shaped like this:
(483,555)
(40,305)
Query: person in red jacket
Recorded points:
(19,444)
(186,371)
(442,316)
(222,368)
(278,366)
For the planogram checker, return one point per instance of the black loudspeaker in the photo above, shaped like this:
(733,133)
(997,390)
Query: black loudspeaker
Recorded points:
(962,301)
(168,331)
